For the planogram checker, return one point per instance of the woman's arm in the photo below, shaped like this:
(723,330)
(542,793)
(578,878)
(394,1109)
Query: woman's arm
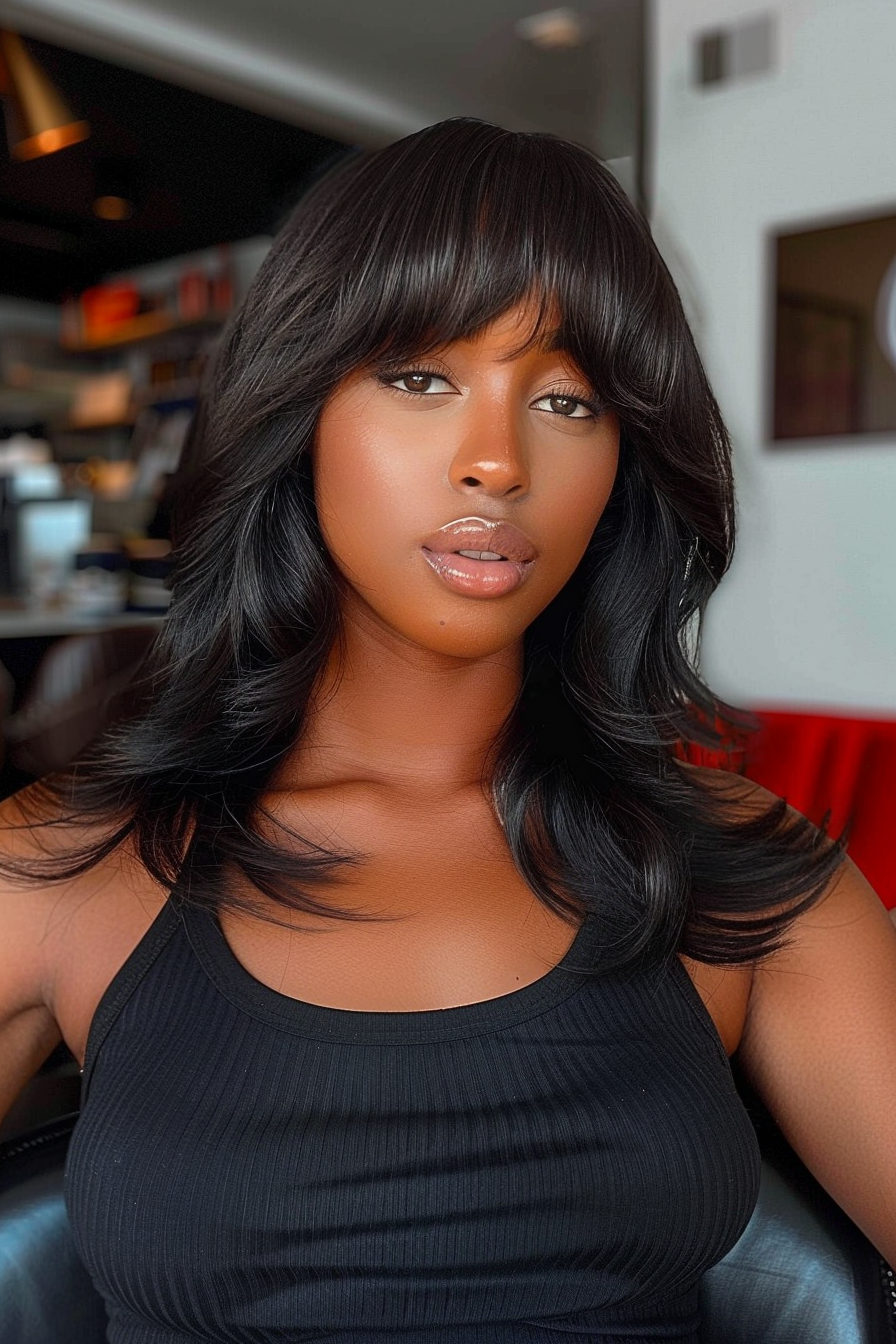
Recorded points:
(28,1030)
(45,930)
(819,1046)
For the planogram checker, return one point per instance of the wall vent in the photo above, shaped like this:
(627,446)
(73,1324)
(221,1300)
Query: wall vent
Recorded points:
(739,52)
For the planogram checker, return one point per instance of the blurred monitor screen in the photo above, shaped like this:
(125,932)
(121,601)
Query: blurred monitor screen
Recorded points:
(48,533)
(835,331)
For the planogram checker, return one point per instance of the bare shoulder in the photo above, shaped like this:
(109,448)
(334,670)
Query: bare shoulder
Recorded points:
(819,1042)
(840,954)
(726,990)
(819,1036)
(36,837)
(62,940)
(826,947)
(31,836)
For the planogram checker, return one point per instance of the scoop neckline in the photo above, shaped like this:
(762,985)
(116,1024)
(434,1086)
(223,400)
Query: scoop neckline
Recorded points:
(323,1022)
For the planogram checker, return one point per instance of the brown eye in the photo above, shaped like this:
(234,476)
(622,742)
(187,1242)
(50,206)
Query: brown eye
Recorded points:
(569,407)
(416,381)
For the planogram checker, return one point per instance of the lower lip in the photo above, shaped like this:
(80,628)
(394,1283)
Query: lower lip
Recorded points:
(478,578)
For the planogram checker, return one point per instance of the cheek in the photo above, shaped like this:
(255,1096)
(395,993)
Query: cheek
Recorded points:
(359,485)
(379,489)
(573,501)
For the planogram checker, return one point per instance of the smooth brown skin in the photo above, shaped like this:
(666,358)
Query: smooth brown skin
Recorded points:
(390,763)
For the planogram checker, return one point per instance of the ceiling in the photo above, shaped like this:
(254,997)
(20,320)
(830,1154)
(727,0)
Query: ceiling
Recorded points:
(222,108)
(204,172)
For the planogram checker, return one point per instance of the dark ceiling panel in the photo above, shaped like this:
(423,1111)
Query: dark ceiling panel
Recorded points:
(205,172)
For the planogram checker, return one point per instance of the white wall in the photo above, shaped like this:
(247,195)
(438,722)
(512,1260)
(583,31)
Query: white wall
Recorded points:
(808,613)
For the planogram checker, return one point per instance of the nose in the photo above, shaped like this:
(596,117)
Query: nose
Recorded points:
(491,455)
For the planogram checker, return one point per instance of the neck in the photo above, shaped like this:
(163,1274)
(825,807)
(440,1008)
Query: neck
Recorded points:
(392,713)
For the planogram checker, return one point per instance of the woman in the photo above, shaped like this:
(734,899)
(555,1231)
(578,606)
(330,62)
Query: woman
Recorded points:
(429,1042)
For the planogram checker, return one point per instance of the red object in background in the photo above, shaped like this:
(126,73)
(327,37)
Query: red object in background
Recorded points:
(822,762)
(105,307)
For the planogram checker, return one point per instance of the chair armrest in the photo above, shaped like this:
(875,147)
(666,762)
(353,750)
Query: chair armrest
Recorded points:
(802,1273)
(46,1296)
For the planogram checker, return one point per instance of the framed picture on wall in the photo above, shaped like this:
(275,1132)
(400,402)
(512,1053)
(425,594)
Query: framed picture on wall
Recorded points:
(819,360)
(833,334)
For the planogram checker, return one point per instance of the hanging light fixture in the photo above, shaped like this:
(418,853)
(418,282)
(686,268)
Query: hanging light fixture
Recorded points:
(38,120)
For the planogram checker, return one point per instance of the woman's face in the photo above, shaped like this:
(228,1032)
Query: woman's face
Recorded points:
(467,434)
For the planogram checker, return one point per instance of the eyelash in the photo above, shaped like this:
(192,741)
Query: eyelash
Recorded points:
(388,377)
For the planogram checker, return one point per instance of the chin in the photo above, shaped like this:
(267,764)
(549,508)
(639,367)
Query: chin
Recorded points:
(469,635)
(460,628)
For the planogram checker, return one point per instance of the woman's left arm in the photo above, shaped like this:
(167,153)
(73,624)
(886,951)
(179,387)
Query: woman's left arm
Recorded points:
(819,1046)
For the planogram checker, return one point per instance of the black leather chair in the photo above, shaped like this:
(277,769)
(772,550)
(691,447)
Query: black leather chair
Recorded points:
(46,1296)
(801,1274)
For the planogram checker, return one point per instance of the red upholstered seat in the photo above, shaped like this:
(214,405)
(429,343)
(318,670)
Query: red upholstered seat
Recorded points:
(822,762)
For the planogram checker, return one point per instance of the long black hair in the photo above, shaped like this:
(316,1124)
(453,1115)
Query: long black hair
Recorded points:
(391,255)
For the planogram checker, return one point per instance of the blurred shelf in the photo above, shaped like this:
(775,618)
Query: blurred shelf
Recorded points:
(98,427)
(141,328)
(18,622)
(27,401)
(179,390)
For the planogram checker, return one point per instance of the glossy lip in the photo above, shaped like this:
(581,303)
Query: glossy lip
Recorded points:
(480,534)
(480,578)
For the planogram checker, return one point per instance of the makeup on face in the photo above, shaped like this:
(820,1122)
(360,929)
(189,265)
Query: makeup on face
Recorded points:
(446,482)
(480,557)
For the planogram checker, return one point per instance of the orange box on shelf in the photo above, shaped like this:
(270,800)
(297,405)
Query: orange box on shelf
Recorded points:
(105,307)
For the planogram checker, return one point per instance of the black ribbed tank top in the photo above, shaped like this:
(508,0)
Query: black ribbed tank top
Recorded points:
(561,1163)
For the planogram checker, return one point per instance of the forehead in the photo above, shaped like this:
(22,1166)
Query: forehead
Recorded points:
(525,328)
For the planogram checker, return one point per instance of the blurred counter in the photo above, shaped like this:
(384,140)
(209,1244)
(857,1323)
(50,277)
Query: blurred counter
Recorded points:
(18,621)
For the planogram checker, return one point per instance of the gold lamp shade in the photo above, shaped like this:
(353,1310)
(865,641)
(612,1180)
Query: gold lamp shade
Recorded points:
(38,120)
